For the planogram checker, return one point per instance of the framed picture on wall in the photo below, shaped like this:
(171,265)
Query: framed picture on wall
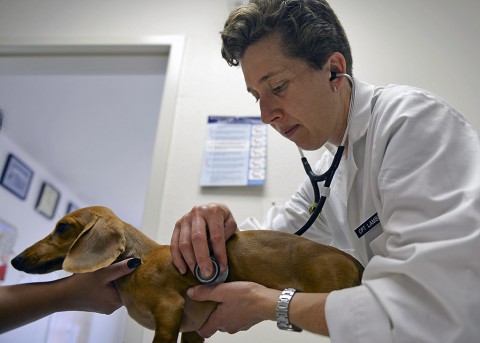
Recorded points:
(8,236)
(16,176)
(71,207)
(47,200)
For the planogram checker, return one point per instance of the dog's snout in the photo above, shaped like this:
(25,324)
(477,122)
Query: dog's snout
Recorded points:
(17,262)
(33,265)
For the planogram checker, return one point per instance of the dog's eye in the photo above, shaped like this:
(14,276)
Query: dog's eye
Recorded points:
(61,228)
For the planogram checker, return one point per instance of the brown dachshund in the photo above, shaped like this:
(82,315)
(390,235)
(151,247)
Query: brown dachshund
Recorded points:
(155,294)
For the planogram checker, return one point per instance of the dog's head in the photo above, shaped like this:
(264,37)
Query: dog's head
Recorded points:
(82,241)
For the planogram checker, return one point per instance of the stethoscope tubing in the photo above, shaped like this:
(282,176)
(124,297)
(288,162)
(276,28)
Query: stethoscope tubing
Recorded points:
(319,198)
(314,179)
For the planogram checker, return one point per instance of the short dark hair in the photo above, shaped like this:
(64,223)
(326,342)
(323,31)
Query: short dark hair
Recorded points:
(309,30)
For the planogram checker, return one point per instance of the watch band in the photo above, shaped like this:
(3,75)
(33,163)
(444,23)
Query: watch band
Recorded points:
(282,310)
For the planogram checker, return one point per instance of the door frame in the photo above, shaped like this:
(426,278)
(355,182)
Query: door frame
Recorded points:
(171,45)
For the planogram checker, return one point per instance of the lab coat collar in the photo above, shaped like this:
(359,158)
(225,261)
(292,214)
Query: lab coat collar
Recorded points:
(361,112)
(360,116)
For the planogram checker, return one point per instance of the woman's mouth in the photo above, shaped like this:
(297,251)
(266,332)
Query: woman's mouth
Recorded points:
(290,131)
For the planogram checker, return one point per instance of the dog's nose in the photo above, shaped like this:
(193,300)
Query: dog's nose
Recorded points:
(17,262)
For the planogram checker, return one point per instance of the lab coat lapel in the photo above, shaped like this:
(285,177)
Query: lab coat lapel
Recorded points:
(356,153)
(352,206)
(358,128)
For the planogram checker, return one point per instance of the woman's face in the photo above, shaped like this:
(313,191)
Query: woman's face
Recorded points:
(295,99)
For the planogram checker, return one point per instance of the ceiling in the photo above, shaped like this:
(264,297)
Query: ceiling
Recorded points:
(90,119)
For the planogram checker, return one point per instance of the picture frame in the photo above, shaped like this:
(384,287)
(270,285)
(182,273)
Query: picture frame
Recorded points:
(8,237)
(16,176)
(71,207)
(47,200)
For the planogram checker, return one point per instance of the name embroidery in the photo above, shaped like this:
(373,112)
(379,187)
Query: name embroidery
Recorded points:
(369,224)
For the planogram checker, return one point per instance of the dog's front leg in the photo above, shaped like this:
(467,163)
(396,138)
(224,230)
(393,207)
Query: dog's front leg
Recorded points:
(191,337)
(168,316)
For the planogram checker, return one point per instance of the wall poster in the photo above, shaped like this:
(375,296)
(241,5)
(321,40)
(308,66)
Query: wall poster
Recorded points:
(235,152)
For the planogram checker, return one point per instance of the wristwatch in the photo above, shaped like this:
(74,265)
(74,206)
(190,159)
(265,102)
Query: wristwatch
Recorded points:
(282,310)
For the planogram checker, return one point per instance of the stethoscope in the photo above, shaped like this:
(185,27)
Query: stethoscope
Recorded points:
(217,275)
(322,193)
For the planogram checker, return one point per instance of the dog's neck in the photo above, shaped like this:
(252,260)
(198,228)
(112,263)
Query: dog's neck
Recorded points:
(137,244)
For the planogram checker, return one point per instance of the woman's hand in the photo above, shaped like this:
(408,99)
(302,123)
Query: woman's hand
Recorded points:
(240,306)
(96,291)
(189,243)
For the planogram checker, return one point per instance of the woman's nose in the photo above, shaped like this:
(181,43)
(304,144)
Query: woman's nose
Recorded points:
(269,110)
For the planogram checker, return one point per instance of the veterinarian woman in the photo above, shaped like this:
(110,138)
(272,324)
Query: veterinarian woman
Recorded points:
(405,200)
(92,292)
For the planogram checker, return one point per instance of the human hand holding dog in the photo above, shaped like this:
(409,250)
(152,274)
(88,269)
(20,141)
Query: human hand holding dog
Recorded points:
(189,243)
(243,304)
(94,292)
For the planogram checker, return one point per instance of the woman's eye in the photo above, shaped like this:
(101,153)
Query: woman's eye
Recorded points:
(280,88)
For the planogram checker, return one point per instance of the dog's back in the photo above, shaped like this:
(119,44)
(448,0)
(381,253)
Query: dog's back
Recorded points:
(280,260)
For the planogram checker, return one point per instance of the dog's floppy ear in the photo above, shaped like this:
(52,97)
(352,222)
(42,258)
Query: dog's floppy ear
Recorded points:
(99,244)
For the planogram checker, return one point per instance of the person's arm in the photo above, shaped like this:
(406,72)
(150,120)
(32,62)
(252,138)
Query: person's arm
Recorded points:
(307,311)
(93,292)
(244,304)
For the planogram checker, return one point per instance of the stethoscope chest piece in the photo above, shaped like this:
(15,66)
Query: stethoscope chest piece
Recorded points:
(217,276)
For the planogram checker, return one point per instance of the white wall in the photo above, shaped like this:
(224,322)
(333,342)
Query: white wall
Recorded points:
(30,226)
(37,225)
(428,43)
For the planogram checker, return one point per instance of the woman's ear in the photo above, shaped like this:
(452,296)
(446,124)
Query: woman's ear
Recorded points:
(336,64)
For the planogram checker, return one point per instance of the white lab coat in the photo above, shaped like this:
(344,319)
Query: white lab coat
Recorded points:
(416,162)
